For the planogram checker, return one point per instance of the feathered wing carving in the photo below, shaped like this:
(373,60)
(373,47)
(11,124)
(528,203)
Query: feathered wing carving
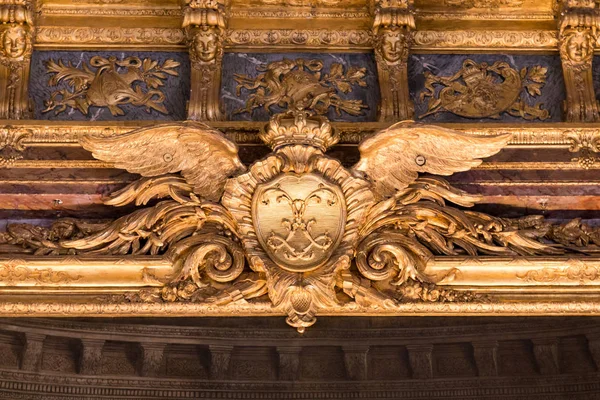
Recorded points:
(393,158)
(203,156)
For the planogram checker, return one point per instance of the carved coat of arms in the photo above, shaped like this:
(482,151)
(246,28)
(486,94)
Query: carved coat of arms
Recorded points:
(296,226)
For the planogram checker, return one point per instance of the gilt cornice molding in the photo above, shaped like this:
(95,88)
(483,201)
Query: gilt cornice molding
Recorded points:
(50,133)
(74,37)
(351,39)
(275,39)
(82,308)
(485,41)
(300,12)
(102,10)
(433,15)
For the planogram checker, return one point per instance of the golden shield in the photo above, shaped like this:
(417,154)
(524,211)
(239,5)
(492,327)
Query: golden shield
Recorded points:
(299,220)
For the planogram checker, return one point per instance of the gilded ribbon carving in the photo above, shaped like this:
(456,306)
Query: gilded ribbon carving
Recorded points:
(577,38)
(16,33)
(392,30)
(204,25)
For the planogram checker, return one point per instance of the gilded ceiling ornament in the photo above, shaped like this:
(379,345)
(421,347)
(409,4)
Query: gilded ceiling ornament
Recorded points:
(113,83)
(297,226)
(577,47)
(578,35)
(586,144)
(12,145)
(15,272)
(302,85)
(205,45)
(102,37)
(204,24)
(302,3)
(479,90)
(468,40)
(16,35)
(16,41)
(392,29)
(576,272)
(298,37)
(467,4)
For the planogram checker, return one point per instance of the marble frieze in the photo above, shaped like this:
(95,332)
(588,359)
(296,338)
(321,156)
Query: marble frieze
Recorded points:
(486,87)
(109,85)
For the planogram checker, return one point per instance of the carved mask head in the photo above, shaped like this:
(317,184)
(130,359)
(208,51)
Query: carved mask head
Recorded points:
(579,46)
(14,41)
(392,45)
(206,45)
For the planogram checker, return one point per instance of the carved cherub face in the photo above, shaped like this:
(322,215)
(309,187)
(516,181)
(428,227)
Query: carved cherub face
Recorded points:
(206,45)
(392,45)
(14,41)
(579,46)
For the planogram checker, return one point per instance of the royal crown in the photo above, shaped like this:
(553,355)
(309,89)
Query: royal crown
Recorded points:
(299,127)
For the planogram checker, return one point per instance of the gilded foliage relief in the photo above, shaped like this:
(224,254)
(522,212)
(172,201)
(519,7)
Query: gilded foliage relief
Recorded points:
(342,87)
(105,86)
(486,88)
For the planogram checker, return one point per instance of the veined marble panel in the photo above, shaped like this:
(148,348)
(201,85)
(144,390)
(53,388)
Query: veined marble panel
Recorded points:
(253,65)
(447,65)
(596,75)
(175,89)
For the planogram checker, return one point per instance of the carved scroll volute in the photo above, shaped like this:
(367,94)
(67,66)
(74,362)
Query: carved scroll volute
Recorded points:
(16,33)
(204,24)
(392,30)
(577,38)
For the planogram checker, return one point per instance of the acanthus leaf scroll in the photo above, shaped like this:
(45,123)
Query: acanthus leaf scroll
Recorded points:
(297,227)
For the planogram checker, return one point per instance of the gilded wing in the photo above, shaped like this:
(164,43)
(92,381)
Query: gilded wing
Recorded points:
(393,158)
(203,156)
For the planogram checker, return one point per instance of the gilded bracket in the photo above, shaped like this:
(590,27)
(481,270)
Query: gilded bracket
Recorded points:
(577,37)
(392,30)
(17,46)
(204,24)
